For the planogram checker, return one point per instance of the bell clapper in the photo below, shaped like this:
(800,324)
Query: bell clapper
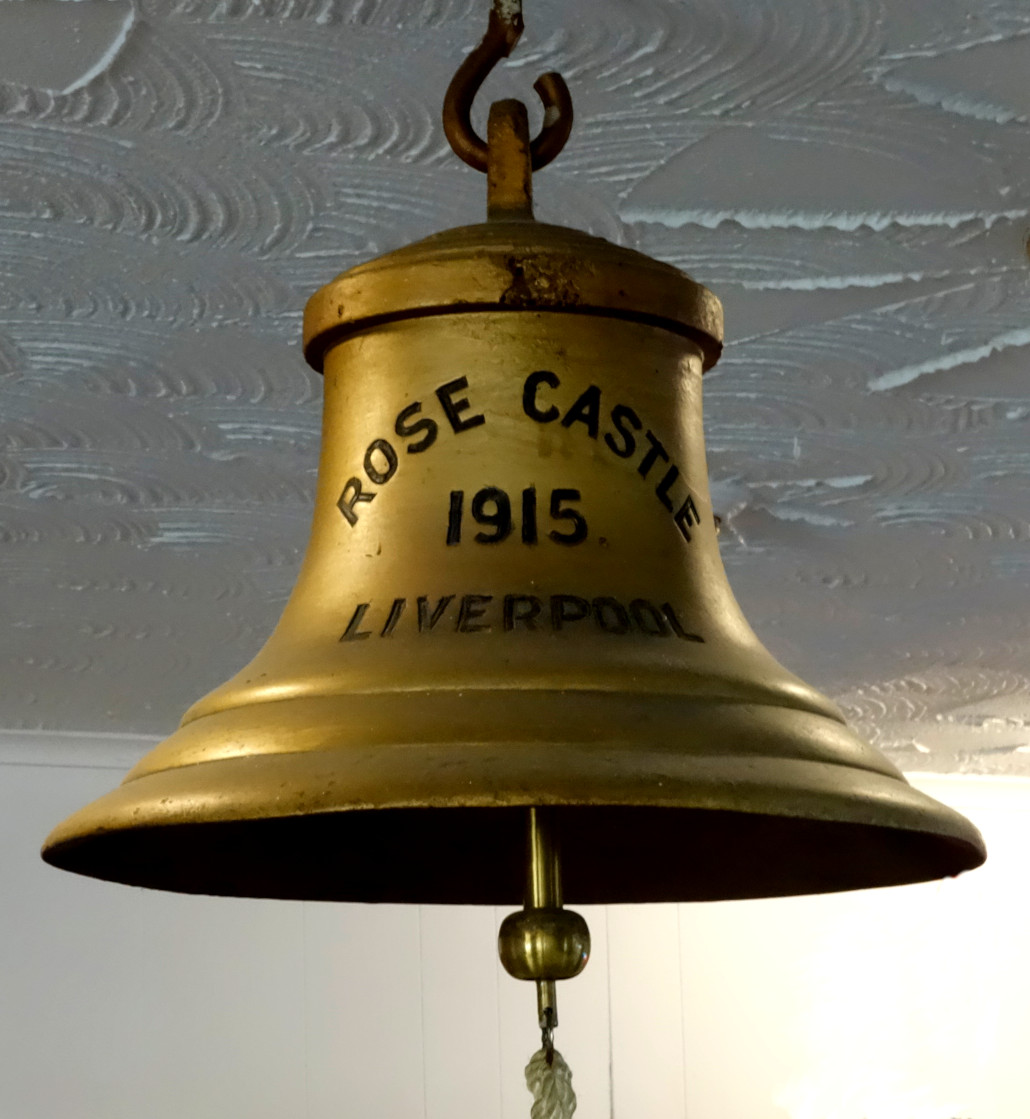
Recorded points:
(544,942)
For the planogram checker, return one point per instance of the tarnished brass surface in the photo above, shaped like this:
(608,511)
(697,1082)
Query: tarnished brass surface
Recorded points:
(544,944)
(512,267)
(513,596)
(543,941)
(543,860)
(509,171)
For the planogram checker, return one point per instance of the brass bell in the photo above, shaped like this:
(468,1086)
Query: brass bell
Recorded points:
(513,597)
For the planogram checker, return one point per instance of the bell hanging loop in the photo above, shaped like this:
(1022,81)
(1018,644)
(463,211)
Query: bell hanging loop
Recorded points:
(503,32)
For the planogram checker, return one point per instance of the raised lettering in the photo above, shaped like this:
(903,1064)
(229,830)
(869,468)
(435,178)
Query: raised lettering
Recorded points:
(578,531)
(354,632)
(529,530)
(568,608)
(622,415)
(380,477)
(453,408)
(427,618)
(648,618)
(529,391)
(523,611)
(586,410)
(611,615)
(656,452)
(473,606)
(394,616)
(677,628)
(687,516)
(499,521)
(407,430)
(346,505)
(454,512)
(665,485)
(520,609)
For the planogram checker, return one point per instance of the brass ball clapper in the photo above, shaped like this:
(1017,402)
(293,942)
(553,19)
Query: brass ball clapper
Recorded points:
(543,942)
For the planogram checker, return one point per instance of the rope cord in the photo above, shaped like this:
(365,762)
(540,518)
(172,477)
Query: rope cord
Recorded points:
(550,1081)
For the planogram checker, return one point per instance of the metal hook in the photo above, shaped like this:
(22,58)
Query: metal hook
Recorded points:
(502,33)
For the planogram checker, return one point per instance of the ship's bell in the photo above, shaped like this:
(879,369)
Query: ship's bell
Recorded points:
(513,597)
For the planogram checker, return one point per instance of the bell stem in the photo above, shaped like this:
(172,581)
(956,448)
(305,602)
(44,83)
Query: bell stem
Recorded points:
(509,163)
(543,891)
(543,864)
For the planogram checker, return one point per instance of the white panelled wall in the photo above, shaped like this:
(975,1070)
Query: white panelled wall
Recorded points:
(118,1003)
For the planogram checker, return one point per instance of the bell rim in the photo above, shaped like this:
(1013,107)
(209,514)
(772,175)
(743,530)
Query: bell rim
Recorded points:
(926,856)
(306,813)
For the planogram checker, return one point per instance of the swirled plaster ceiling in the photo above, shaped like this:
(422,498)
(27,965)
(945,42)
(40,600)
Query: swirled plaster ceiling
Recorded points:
(851,176)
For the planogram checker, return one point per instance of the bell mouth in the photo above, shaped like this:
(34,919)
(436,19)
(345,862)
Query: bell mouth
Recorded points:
(675,799)
(610,855)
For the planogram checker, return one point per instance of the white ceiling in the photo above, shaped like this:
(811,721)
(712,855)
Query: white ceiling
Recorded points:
(851,177)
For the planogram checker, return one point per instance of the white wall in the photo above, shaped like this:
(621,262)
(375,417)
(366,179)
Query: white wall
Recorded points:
(908,1003)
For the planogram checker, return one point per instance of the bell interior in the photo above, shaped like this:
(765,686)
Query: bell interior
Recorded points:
(610,854)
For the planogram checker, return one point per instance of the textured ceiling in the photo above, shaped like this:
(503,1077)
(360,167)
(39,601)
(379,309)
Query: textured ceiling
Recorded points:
(851,177)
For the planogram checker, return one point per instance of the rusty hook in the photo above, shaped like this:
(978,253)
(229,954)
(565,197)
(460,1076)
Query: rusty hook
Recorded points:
(502,33)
